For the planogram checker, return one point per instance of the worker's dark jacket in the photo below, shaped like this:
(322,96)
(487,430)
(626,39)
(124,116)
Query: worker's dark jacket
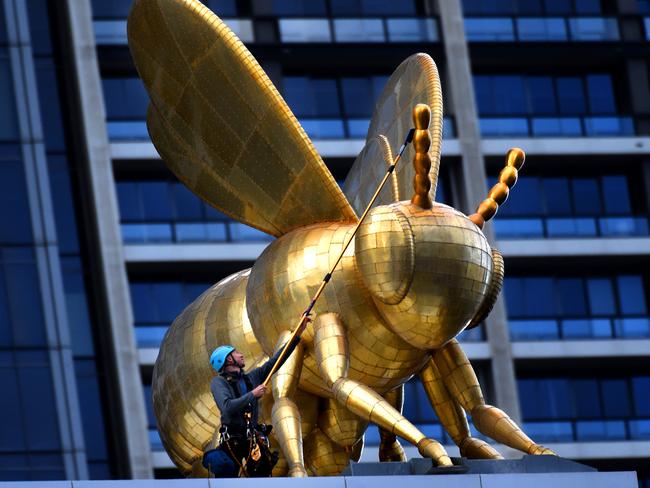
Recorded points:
(228,392)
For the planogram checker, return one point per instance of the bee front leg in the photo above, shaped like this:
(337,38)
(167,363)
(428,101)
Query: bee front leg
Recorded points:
(285,414)
(452,416)
(332,357)
(390,450)
(460,379)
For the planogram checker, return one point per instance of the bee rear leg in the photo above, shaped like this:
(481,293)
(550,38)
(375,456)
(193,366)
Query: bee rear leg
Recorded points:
(332,357)
(452,416)
(460,379)
(285,414)
(390,450)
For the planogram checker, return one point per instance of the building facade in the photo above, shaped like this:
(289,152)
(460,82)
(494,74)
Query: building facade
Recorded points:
(102,247)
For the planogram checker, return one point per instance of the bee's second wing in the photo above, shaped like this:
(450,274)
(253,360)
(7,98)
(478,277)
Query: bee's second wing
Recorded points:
(415,80)
(220,124)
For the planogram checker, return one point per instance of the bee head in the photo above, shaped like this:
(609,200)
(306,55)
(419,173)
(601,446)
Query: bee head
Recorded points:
(427,269)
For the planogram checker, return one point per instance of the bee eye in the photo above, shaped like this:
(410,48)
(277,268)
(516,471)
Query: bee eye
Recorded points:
(385,254)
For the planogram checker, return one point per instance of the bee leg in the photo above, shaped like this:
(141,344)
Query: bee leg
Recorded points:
(460,379)
(285,414)
(390,450)
(452,416)
(323,456)
(332,357)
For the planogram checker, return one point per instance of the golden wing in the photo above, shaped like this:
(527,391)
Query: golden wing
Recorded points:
(220,124)
(414,81)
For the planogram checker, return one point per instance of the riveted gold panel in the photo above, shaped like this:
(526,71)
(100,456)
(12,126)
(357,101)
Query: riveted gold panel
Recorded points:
(220,124)
(415,80)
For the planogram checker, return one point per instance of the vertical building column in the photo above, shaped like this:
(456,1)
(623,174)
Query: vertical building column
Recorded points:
(474,190)
(45,240)
(119,316)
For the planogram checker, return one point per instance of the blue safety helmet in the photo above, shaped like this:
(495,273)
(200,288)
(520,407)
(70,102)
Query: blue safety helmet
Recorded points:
(218,357)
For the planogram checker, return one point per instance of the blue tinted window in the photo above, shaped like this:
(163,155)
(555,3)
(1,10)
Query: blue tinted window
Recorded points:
(525,199)
(615,396)
(15,220)
(539,297)
(557,7)
(289,7)
(571,96)
(188,206)
(49,104)
(223,8)
(77,306)
(641,392)
(586,398)
(111,8)
(586,196)
(39,28)
(144,305)
(156,200)
(631,295)
(22,295)
(41,426)
(170,300)
(372,7)
(12,437)
(129,201)
(601,296)
(557,195)
(616,195)
(601,94)
(66,226)
(514,293)
(311,97)
(90,404)
(541,95)
(126,98)
(357,97)
(509,95)
(588,6)
(572,298)
(8,121)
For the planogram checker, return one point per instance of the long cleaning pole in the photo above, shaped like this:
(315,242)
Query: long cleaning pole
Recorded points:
(303,318)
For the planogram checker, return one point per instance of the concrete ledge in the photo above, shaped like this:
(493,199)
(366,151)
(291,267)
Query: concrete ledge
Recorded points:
(568,145)
(514,480)
(603,246)
(327,148)
(165,253)
(580,349)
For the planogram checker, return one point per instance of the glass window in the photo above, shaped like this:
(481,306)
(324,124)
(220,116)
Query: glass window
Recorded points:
(15,219)
(372,7)
(539,297)
(601,94)
(359,30)
(289,7)
(514,293)
(305,30)
(616,195)
(312,97)
(188,206)
(412,30)
(615,398)
(129,201)
(557,196)
(64,211)
(77,306)
(526,199)
(593,29)
(586,398)
(90,404)
(601,296)
(156,200)
(571,96)
(571,294)
(23,297)
(223,8)
(541,29)
(557,7)
(641,392)
(169,300)
(509,95)
(126,98)
(541,94)
(111,8)
(358,99)
(12,437)
(586,196)
(144,305)
(489,30)
(8,121)
(631,295)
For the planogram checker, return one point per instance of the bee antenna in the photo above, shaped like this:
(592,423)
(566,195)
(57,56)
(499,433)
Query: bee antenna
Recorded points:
(421,159)
(498,194)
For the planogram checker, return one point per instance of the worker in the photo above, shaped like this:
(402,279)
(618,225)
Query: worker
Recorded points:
(244,447)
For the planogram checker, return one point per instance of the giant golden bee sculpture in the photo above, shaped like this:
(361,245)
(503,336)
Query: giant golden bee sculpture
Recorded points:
(417,274)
